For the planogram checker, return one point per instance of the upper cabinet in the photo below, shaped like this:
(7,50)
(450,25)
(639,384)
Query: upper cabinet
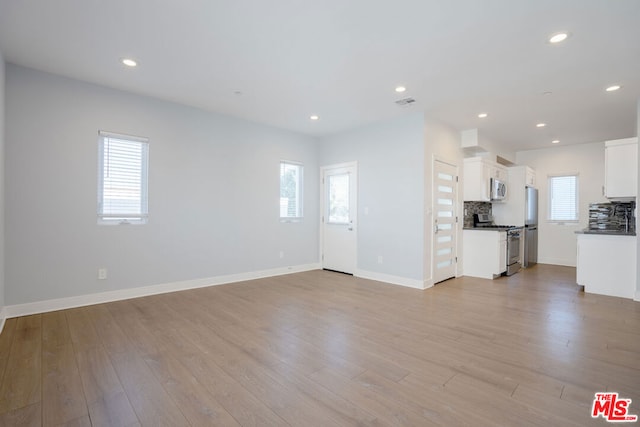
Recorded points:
(513,211)
(530,177)
(621,168)
(476,180)
(478,172)
(499,172)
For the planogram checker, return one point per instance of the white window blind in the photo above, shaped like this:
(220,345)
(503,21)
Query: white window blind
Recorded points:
(122,179)
(563,198)
(290,191)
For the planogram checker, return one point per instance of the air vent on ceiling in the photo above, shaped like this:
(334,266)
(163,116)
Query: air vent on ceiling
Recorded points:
(405,101)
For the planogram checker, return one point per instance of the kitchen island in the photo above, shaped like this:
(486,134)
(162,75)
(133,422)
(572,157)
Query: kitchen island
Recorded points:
(607,262)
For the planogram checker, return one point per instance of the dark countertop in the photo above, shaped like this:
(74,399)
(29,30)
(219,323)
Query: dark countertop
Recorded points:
(606,232)
(492,229)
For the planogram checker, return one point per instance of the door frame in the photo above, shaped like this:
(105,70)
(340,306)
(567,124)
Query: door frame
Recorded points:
(352,164)
(459,215)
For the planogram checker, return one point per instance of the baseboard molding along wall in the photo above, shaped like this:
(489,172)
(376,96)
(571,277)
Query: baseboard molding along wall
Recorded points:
(558,261)
(123,294)
(394,280)
(38,307)
(3,317)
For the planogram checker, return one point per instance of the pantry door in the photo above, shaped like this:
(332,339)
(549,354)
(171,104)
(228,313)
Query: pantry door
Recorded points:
(445,217)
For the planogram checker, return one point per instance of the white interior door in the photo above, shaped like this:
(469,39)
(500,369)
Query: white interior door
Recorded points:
(339,217)
(445,189)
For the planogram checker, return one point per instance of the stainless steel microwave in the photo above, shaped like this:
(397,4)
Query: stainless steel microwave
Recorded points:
(498,189)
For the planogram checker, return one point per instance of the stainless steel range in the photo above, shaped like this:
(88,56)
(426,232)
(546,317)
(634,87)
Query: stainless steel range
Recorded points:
(514,234)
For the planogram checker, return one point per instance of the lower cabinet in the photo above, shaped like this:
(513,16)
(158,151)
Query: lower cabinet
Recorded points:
(607,264)
(484,253)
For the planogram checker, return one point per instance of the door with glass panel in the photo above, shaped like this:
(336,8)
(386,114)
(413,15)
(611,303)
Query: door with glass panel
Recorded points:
(445,188)
(339,217)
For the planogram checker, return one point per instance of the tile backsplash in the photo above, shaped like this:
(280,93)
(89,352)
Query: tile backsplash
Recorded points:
(612,216)
(471,208)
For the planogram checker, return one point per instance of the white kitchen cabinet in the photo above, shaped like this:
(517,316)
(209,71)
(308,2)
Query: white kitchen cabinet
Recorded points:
(621,168)
(502,258)
(512,211)
(476,180)
(484,253)
(607,264)
(530,177)
(477,174)
(499,172)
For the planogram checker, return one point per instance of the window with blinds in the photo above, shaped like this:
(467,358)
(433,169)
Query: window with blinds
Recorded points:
(563,198)
(122,179)
(290,191)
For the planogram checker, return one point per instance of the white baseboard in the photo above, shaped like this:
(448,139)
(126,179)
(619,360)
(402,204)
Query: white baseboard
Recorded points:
(3,317)
(394,280)
(558,261)
(122,294)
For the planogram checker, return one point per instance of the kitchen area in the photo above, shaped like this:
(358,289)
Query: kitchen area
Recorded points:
(500,211)
(506,205)
(606,249)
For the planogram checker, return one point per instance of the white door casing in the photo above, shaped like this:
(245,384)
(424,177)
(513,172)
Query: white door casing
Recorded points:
(445,199)
(339,217)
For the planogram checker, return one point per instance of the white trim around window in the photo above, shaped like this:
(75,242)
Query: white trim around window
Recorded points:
(123,171)
(291,194)
(563,204)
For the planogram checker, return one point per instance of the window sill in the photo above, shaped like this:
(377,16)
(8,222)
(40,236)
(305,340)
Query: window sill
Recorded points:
(568,223)
(290,220)
(123,222)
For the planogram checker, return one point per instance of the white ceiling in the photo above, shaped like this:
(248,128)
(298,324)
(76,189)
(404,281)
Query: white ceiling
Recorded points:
(342,59)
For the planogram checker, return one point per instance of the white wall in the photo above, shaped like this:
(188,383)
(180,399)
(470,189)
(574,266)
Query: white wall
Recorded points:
(442,143)
(213,192)
(637,297)
(2,173)
(557,243)
(390,180)
(475,143)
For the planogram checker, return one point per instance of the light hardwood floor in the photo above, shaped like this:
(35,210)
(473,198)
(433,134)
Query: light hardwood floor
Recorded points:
(325,349)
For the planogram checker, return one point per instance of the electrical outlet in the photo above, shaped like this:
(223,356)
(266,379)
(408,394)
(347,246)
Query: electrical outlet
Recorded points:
(281,254)
(379,259)
(102,273)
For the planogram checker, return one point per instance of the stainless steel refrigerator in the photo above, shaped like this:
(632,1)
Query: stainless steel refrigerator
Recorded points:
(531,228)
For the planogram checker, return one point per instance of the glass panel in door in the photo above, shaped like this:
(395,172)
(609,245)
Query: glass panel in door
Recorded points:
(338,199)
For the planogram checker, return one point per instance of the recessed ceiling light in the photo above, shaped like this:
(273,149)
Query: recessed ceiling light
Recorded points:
(129,62)
(400,89)
(555,141)
(541,125)
(558,37)
(482,115)
(314,117)
(613,88)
